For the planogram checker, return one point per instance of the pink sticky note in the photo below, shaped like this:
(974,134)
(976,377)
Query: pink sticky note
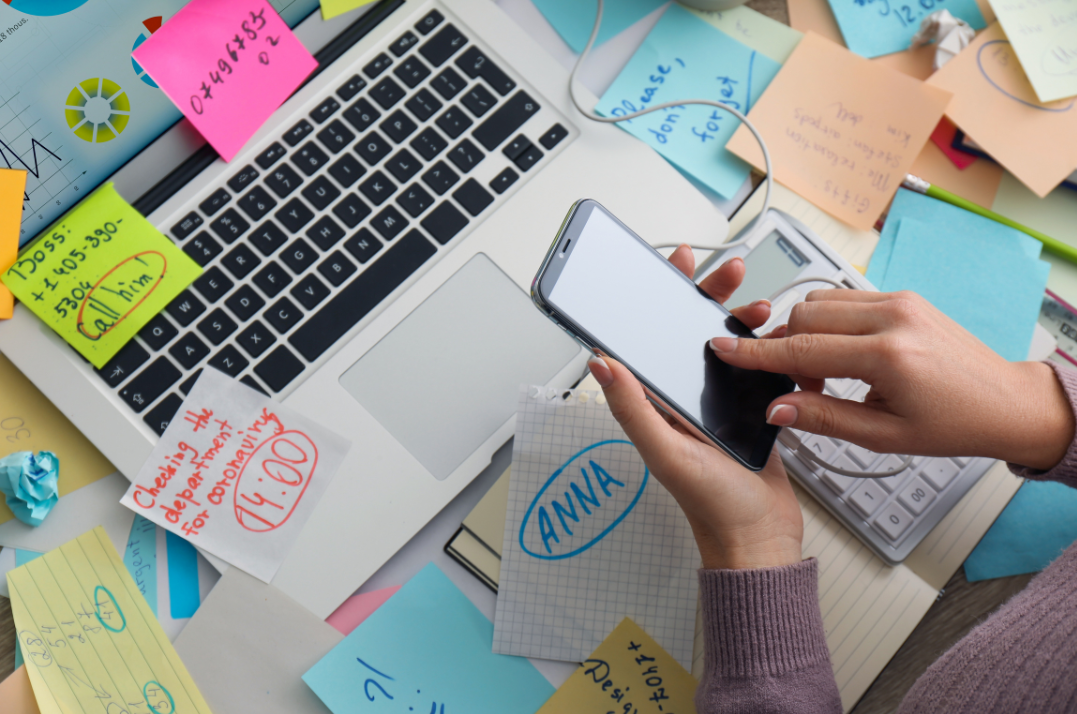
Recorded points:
(358,608)
(943,136)
(228,65)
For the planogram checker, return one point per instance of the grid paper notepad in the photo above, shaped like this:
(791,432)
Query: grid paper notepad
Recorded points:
(591,537)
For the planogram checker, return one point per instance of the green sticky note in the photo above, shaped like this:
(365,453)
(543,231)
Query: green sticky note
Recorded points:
(332,8)
(100,274)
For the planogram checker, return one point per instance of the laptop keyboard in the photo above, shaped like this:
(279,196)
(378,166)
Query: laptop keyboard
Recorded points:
(328,220)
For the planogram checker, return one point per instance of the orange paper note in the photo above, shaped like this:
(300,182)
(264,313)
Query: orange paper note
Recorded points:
(994,104)
(17,694)
(842,131)
(978,183)
(12,192)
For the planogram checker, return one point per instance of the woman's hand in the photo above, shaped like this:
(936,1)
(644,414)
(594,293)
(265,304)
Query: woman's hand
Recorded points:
(935,389)
(740,519)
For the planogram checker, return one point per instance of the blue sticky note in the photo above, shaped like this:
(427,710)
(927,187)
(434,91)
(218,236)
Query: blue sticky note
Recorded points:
(881,27)
(18,655)
(1037,525)
(427,649)
(687,58)
(574,19)
(140,557)
(22,557)
(183,594)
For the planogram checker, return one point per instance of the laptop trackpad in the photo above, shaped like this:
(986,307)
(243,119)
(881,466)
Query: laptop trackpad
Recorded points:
(448,376)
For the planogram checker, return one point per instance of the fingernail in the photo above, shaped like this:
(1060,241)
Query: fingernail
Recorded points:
(723,344)
(757,303)
(601,371)
(783,415)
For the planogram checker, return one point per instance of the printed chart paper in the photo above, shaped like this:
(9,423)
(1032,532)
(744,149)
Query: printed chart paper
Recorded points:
(236,474)
(12,192)
(100,274)
(228,65)
(1044,35)
(880,27)
(842,131)
(88,635)
(591,537)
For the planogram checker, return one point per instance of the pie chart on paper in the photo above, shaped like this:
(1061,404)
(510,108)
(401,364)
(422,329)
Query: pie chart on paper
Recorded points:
(45,8)
(152,25)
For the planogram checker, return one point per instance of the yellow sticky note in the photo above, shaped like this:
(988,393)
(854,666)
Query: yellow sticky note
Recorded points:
(100,274)
(89,638)
(30,422)
(842,131)
(12,192)
(332,8)
(764,35)
(628,672)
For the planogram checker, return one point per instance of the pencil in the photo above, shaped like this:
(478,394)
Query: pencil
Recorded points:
(915,183)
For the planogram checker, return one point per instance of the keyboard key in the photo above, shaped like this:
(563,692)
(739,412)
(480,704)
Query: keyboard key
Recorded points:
(283,315)
(161,415)
(440,178)
(862,456)
(372,148)
(478,100)
(151,383)
(256,339)
(268,238)
(241,261)
(347,170)
(336,137)
(189,351)
(325,233)
(321,193)
(272,279)
(916,496)
(453,122)
(893,521)
(517,146)
(361,115)
(473,197)
(378,65)
(326,109)
(378,188)
(298,132)
(310,159)
(217,327)
(403,165)
(279,368)
(412,71)
(202,249)
(185,308)
(229,361)
(423,105)
(389,223)
(387,93)
(448,83)
(187,226)
(230,226)
(244,303)
(310,291)
(349,89)
(466,156)
(213,285)
(509,117)
(443,45)
(444,222)
(283,180)
(553,137)
(130,357)
(361,295)
(503,181)
(271,155)
(403,43)
(414,199)
(529,158)
(428,23)
(867,497)
(158,332)
(215,202)
(363,245)
(253,384)
(294,215)
(257,203)
(939,472)
(299,256)
(398,126)
(475,64)
(428,144)
(351,211)
(337,269)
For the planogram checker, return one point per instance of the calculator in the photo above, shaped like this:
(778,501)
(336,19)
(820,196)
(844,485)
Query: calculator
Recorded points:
(890,515)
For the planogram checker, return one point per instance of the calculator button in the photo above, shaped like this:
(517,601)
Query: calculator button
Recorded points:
(867,497)
(839,482)
(962,461)
(916,496)
(893,521)
(939,472)
(862,456)
(892,483)
(840,387)
(822,448)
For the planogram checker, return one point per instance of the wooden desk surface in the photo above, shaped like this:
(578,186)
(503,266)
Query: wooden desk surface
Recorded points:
(962,606)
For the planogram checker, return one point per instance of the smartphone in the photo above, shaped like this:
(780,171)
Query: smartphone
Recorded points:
(617,295)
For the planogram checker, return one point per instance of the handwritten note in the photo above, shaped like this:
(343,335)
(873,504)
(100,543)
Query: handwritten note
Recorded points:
(761,33)
(332,8)
(12,192)
(236,474)
(686,57)
(996,106)
(140,559)
(100,274)
(426,651)
(90,639)
(1044,35)
(228,65)
(17,694)
(629,672)
(881,27)
(842,131)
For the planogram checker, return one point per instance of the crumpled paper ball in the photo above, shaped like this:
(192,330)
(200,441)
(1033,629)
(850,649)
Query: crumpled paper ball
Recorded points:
(950,35)
(30,484)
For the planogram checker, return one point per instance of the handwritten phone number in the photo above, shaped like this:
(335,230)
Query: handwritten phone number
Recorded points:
(847,197)
(904,13)
(250,29)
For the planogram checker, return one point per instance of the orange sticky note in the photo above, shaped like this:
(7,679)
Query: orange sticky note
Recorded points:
(994,104)
(842,130)
(17,694)
(978,182)
(12,192)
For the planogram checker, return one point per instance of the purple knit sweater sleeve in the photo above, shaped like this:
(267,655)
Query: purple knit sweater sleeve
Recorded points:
(1066,470)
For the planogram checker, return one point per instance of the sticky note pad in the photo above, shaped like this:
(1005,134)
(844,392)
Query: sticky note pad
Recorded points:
(88,635)
(427,649)
(628,668)
(228,65)
(574,19)
(880,27)
(332,8)
(12,193)
(1044,35)
(842,131)
(100,275)
(685,57)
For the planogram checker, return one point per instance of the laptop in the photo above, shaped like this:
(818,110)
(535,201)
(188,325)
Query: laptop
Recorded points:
(367,255)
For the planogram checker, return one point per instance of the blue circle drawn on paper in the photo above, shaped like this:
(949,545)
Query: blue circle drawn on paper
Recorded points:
(97,610)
